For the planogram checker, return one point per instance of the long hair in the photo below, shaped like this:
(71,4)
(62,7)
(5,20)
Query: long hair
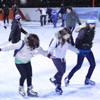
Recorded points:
(32,41)
(63,32)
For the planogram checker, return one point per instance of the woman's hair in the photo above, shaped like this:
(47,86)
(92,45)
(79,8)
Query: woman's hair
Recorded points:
(32,41)
(63,32)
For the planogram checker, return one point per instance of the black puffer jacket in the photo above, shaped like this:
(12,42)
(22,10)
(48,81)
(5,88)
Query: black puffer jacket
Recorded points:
(85,38)
(16,29)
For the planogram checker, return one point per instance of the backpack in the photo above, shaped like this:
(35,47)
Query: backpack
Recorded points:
(16,51)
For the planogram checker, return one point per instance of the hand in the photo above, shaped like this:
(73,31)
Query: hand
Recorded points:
(79,23)
(9,39)
(49,55)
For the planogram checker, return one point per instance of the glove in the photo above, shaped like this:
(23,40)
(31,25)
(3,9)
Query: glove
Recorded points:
(79,23)
(49,55)
(9,39)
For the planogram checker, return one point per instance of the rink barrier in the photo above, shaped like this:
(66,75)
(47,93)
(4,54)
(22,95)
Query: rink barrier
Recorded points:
(30,14)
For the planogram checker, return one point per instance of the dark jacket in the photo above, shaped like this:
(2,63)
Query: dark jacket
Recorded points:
(16,29)
(85,38)
(5,10)
(62,10)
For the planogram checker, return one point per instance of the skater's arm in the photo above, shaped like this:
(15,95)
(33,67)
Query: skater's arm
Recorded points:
(41,51)
(72,48)
(77,18)
(23,31)
(12,46)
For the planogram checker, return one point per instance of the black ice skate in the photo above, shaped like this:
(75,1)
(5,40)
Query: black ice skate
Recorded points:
(31,93)
(59,90)
(53,81)
(21,91)
(89,82)
(66,80)
(5,27)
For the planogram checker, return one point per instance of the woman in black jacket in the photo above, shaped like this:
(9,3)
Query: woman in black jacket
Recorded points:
(84,44)
(16,29)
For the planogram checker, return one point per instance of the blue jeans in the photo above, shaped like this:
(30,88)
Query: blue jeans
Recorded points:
(90,57)
(43,20)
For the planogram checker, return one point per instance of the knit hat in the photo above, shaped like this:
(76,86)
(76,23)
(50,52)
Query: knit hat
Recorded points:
(17,16)
(91,21)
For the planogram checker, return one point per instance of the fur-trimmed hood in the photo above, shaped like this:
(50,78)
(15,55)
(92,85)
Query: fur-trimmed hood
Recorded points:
(81,26)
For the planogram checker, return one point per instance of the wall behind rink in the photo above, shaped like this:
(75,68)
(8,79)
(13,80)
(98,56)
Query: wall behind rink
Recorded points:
(30,14)
(84,13)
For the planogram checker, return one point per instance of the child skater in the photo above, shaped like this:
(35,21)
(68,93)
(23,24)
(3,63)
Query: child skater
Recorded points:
(16,29)
(24,51)
(57,51)
(54,17)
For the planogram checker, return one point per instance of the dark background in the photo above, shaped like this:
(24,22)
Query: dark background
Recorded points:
(52,3)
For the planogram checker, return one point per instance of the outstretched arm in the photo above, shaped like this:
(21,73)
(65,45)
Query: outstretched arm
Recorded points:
(23,31)
(11,47)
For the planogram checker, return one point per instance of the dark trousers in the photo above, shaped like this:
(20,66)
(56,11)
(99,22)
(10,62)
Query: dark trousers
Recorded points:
(25,71)
(54,22)
(43,20)
(63,17)
(6,18)
(72,40)
(61,68)
(81,56)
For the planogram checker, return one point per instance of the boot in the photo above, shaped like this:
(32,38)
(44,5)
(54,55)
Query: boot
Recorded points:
(31,93)
(89,82)
(66,80)
(21,90)
(59,90)
(53,81)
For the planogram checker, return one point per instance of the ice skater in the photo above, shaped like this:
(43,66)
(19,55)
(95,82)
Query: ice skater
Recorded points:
(54,17)
(24,50)
(42,16)
(62,11)
(16,29)
(71,20)
(5,10)
(57,51)
(84,43)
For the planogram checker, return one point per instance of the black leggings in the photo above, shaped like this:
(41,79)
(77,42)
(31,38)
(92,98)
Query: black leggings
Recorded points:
(25,71)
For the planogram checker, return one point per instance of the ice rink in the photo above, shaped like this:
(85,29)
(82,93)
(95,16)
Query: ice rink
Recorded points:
(43,68)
